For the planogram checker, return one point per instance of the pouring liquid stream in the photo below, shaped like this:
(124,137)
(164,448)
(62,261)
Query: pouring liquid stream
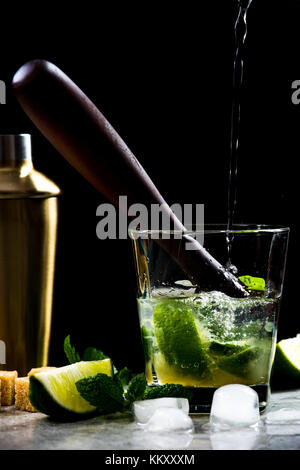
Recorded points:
(240,33)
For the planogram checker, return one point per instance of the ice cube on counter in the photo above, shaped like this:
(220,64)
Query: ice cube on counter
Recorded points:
(144,409)
(168,420)
(234,405)
(234,439)
(283,416)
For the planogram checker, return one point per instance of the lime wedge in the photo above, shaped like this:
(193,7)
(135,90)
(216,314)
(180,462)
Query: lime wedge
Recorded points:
(179,337)
(238,364)
(286,365)
(225,349)
(55,394)
(147,340)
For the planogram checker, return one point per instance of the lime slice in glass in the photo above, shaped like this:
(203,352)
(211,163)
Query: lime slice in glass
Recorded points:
(219,349)
(179,337)
(238,364)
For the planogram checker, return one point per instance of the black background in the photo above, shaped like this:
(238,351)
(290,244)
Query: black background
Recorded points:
(162,75)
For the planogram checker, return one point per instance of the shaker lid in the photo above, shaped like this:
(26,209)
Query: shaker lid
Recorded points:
(15,149)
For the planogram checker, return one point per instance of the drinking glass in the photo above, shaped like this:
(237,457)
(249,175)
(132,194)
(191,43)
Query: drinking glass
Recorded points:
(195,334)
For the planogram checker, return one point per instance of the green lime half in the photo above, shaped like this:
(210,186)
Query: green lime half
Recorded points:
(179,338)
(286,365)
(55,394)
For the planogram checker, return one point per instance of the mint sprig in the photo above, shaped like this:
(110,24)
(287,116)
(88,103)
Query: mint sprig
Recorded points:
(168,390)
(89,354)
(111,394)
(70,351)
(102,392)
(253,283)
(93,354)
(136,389)
(107,394)
(123,376)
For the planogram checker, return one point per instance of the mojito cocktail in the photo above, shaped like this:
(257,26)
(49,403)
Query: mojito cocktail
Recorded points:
(206,339)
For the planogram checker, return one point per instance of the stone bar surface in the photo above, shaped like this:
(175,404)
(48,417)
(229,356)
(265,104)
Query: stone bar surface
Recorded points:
(34,431)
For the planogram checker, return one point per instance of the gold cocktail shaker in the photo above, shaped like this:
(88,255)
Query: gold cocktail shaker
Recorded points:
(28,226)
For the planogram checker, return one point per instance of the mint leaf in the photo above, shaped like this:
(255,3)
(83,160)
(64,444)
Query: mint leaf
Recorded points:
(118,382)
(93,354)
(70,351)
(168,390)
(253,283)
(102,392)
(136,388)
(124,376)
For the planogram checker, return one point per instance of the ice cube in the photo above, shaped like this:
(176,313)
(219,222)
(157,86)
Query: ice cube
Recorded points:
(283,416)
(169,419)
(144,409)
(241,439)
(234,405)
(167,440)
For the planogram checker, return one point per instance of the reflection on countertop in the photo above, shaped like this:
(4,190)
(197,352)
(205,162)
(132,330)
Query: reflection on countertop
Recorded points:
(279,429)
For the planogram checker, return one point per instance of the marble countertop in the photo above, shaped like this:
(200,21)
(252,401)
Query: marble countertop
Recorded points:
(21,430)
